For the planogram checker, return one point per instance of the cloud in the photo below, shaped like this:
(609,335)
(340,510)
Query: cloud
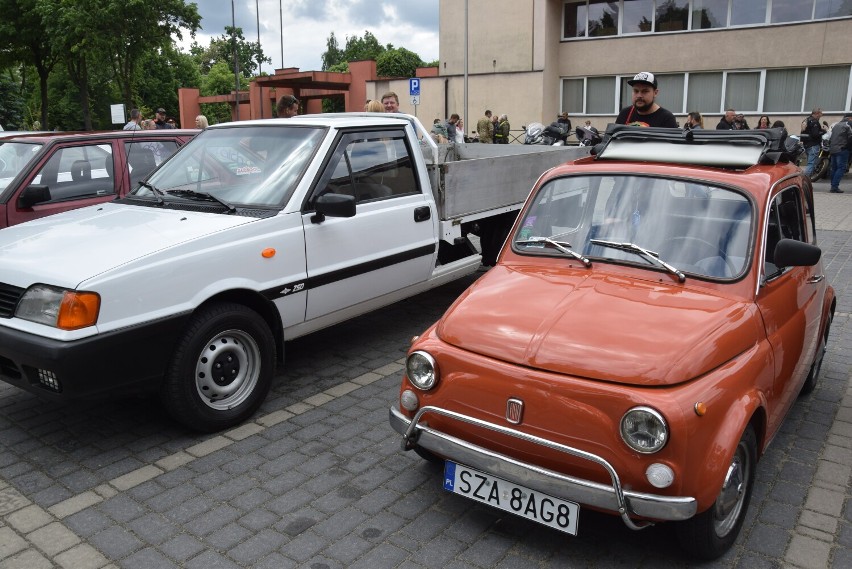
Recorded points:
(308,23)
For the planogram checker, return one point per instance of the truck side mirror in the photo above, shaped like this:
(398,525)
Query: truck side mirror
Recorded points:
(33,194)
(793,253)
(333,205)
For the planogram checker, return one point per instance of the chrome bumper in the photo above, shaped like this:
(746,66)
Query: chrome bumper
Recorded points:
(606,497)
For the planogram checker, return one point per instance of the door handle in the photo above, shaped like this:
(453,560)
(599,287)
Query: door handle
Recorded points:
(816,279)
(422,213)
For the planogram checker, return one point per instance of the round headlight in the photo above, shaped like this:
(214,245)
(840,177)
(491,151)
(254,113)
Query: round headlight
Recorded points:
(644,430)
(422,370)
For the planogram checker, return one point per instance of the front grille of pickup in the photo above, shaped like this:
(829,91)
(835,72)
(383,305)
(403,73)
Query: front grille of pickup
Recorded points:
(9,297)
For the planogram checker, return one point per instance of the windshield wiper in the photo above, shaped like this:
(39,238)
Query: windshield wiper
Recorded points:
(562,246)
(650,256)
(202,195)
(158,193)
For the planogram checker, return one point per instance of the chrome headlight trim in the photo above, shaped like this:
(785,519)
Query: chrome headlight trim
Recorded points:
(422,370)
(644,430)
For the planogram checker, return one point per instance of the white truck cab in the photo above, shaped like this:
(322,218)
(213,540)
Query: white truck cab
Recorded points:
(254,233)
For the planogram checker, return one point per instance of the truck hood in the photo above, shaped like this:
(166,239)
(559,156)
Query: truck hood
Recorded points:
(599,326)
(67,248)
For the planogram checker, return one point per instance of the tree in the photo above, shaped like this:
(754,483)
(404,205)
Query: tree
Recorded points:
(398,62)
(333,55)
(143,26)
(221,49)
(13,105)
(24,40)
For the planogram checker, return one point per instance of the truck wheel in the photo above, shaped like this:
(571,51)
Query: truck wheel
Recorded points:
(711,533)
(221,369)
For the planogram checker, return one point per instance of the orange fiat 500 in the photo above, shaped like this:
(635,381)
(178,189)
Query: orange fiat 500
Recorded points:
(654,314)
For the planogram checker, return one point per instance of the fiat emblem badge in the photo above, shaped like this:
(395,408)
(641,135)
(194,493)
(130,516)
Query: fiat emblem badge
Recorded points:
(514,411)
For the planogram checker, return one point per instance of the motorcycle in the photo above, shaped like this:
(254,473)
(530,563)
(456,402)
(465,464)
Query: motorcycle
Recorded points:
(554,134)
(823,161)
(588,136)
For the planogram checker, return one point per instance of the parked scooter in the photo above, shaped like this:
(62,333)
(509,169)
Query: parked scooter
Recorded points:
(588,136)
(554,134)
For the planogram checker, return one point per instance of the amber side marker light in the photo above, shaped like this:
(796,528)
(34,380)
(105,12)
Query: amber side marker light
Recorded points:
(78,310)
(268,253)
(700,409)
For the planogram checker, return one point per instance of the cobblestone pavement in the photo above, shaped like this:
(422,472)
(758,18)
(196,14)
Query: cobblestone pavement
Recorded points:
(317,478)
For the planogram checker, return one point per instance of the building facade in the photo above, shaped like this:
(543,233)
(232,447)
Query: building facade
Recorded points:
(533,59)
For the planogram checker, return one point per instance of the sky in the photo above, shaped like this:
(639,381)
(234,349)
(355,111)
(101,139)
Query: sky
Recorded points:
(412,24)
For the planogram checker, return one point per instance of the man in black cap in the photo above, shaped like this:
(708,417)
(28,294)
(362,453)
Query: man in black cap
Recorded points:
(644,111)
(161,119)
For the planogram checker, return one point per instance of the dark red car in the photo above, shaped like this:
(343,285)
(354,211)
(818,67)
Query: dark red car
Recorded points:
(42,174)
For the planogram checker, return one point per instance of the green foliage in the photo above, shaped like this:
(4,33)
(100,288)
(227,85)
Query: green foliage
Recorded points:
(221,50)
(333,55)
(342,67)
(398,62)
(13,104)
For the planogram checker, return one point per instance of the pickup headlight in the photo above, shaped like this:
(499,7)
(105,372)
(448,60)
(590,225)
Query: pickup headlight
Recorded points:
(644,430)
(422,370)
(60,308)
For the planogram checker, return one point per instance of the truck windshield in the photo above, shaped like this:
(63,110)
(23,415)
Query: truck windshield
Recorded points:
(692,227)
(244,166)
(14,157)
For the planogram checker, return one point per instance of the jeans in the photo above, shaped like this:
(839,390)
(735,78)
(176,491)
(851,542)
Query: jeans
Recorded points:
(838,167)
(813,152)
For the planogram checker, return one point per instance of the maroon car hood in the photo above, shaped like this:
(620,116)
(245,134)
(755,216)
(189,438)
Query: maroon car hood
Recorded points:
(599,326)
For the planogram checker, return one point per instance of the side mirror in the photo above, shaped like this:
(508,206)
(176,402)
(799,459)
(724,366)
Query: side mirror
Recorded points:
(792,253)
(333,205)
(34,194)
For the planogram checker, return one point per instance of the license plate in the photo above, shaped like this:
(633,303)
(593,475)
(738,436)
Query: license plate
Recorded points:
(529,504)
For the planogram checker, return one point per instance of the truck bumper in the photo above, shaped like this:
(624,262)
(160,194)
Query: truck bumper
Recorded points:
(612,498)
(135,356)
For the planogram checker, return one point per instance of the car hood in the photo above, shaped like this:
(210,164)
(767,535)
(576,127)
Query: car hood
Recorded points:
(67,248)
(600,326)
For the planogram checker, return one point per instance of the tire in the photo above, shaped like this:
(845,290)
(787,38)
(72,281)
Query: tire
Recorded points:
(711,533)
(820,169)
(813,375)
(221,338)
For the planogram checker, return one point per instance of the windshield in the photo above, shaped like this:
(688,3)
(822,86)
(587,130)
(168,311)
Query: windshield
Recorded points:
(693,227)
(245,166)
(14,157)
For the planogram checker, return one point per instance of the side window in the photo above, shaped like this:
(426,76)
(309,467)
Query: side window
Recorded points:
(370,169)
(143,157)
(786,221)
(77,172)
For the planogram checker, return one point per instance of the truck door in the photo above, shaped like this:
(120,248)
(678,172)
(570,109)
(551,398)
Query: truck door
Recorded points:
(391,241)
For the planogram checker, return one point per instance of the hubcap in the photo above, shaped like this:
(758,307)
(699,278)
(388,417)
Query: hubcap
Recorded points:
(227,369)
(729,503)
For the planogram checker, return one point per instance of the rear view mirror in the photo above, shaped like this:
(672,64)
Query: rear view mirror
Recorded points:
(333,205)
(34,194)
(792,253)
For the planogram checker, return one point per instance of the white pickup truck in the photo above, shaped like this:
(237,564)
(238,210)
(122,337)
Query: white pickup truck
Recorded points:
(254,233)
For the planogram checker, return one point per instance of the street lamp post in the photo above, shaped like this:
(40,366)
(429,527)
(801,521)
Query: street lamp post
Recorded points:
(236,61)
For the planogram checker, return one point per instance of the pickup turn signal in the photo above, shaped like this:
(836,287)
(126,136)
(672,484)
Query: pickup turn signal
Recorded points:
(78,310)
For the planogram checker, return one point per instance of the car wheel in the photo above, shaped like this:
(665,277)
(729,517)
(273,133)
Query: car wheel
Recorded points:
(711,533)
(813,375)
(222,368)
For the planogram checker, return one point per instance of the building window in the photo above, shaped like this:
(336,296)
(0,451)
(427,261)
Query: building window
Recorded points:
(638,16)
(672,16)
(602,18)
(741,91)
(783,91)
(748,12)
(792,90)
(709,14)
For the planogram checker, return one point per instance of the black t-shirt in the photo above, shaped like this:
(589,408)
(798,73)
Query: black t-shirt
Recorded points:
(725,125)
(659,118)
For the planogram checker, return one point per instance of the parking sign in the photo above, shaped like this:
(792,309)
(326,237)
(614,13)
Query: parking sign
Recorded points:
(414,87)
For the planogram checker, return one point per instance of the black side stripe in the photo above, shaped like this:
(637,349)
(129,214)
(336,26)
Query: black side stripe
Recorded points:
(348,272)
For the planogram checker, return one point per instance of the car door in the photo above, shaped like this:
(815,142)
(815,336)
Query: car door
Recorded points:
(76,175)
(390,242)
(790,301)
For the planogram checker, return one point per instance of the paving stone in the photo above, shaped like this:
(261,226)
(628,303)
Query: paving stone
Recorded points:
(29,518)
(28,559)
(808,553)
(53,538)
(182,547)
(82,556)
(10,543)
